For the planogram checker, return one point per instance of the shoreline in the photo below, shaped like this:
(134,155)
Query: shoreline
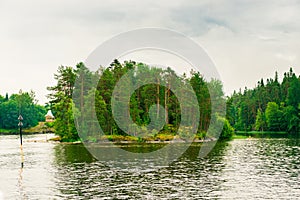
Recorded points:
(52,138)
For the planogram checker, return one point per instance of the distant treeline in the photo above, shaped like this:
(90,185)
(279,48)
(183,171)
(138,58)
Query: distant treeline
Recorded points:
(24,104)
(164,82)
(270,106)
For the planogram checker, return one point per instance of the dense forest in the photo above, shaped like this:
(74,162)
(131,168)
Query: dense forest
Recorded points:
(166,117)
(270,106)
(23,103)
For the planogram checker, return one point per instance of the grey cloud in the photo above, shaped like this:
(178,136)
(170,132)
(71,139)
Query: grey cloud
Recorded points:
(198,19)
(245,17)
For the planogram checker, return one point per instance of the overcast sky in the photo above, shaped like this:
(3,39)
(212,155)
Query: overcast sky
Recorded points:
(246,40)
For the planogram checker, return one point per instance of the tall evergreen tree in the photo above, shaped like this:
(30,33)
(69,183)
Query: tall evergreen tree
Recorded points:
(62,103)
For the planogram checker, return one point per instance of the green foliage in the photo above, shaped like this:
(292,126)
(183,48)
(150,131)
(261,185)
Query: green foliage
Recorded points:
(145,106)
(64,124)
(291,119)
(227,130)
(165,137)
(268,107)
(273,116)
(62,104)
(24,104)
(293,95)
(260,123)
(49,124)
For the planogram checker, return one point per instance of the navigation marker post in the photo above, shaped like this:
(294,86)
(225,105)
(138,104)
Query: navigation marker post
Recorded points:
(20,118)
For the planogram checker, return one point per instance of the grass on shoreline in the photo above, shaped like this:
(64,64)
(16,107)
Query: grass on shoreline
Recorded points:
(163,137)
(260,132)
(8,131)
(239,137)
(265,134)
(40,128)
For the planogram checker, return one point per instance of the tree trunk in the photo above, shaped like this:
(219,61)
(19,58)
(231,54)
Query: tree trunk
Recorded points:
(157,98)
(166,108)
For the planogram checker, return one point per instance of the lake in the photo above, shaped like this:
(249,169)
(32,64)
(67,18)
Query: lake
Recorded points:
(238,169)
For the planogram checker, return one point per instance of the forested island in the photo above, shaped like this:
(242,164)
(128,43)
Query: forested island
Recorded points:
(140,102)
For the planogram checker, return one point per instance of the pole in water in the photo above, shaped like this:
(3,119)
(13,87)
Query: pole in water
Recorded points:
(22,158)
(20,118)
(21,138)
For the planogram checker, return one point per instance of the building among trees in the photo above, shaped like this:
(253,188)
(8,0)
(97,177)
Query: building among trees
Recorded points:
(49,116)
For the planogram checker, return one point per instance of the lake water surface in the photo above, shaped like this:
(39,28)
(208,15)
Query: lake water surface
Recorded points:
(238,169)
